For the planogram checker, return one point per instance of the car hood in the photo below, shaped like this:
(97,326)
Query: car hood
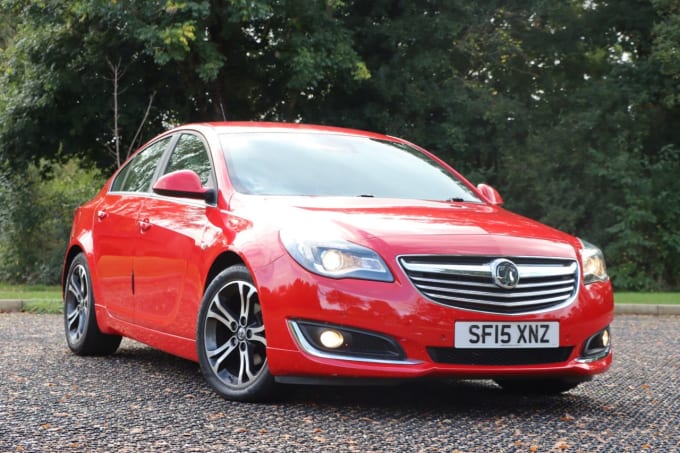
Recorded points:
(415,226)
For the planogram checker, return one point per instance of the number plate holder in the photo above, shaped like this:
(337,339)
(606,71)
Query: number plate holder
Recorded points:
(510,335)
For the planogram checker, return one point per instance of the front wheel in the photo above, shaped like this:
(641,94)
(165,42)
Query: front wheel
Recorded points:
(231,341)
(80,322)
(543,386)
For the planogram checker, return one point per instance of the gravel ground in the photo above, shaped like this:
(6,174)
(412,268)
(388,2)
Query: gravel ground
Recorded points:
(144,400)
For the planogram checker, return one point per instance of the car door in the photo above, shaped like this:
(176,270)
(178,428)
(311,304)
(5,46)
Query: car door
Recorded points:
(117,230)
(171,234)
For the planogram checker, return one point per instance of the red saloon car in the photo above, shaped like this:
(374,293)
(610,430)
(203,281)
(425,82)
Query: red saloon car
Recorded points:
(285,253)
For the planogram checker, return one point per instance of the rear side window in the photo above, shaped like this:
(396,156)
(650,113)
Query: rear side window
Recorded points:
(190,154)
(138,174)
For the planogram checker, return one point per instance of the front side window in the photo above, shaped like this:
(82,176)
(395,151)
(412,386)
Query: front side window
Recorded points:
(318,164)
(190,154)
(137,175)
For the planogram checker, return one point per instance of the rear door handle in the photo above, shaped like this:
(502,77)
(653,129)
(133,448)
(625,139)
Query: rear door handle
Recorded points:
(101,215)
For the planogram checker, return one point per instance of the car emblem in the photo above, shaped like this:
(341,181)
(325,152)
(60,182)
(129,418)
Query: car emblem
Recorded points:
(504,274)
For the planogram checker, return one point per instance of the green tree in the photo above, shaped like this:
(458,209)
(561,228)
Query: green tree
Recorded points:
(80,77)
(36,221)
(569,107)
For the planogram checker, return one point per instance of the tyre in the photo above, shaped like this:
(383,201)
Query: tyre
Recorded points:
(80,321)
(543,386)
(231,340)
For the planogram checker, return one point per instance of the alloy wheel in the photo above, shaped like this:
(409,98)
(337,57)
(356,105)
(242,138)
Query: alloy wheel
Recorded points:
(234,338)
(77,298)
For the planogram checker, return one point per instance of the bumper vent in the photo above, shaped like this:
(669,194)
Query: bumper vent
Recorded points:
(494,284)
(499,356)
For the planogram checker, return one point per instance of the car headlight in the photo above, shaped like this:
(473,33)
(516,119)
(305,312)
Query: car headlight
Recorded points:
(592,261)
(336,258)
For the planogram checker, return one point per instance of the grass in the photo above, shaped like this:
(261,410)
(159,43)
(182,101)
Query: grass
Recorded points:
(30,292)
(37,298)
(647,298)
(47,299)
(43,306)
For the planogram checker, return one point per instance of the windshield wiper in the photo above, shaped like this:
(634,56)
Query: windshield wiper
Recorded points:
(366,195)
(455,200)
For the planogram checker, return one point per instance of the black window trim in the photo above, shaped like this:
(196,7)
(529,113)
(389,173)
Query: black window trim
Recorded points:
(161,160)
(165,159)
(163,163)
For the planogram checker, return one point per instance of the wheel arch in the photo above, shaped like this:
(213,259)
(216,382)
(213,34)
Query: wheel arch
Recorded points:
(223,261)
(68,259)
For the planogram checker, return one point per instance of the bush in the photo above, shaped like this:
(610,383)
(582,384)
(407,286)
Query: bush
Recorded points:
(36,220)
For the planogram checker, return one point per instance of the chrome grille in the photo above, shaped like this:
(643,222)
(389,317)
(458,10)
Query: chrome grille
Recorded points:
(468,282)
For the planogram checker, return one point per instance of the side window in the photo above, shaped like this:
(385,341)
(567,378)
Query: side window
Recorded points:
(190,154)
(138,173)
(117,184)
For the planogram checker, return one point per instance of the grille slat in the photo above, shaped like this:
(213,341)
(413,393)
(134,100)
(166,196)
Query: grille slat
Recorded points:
(531,270)
(497,304)
(467,282)
(504,295)
(491,285)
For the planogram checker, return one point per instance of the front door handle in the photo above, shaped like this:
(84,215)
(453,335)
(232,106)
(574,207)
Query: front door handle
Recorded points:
(101,215)
(144,225)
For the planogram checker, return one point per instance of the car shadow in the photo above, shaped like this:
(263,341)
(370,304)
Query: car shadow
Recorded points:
(140,357)
(463,395)
(475,398)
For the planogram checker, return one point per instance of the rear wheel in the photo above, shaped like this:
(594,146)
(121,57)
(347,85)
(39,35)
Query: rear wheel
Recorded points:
(80,322)
(231,341)
(543,386)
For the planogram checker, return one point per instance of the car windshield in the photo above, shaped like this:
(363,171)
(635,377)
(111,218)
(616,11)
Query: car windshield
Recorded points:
(326,164)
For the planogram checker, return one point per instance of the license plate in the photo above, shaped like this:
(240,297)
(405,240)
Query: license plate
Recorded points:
(475,335)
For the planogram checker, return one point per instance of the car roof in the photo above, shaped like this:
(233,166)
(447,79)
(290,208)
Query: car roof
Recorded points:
(225,127)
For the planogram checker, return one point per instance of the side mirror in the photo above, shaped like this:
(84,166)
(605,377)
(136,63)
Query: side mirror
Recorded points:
(490,194)
(184,184)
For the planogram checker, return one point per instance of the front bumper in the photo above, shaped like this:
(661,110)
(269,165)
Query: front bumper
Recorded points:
(422,329)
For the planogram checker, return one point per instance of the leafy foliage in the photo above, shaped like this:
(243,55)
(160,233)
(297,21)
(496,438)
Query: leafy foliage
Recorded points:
(569,107)
(188,61)
(35,226)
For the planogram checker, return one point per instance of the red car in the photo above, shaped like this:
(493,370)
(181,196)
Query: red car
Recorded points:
(285,253)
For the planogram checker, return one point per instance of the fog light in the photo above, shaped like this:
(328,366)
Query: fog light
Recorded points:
(345,343)
(331,339)
(597,346)
(605,338)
